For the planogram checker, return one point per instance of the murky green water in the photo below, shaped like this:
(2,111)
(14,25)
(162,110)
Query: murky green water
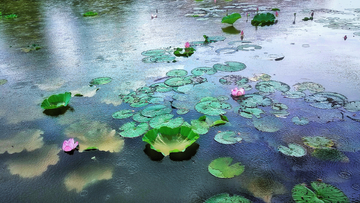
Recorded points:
(76,49)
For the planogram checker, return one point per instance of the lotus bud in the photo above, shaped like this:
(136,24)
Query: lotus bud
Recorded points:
(345,37)
(276,14)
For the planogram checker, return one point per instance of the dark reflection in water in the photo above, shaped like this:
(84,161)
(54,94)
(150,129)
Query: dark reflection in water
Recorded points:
(58,111)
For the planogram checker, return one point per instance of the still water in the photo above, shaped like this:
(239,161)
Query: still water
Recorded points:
(76,49)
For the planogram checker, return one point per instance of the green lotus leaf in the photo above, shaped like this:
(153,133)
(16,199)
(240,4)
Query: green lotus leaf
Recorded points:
(224,118)
(100,81)
(230,66)
(275,9)
(294,94)
(204,99)
(186,52)
(140,118)
(166,120)
(300,121)
(200,127)
(262,19)
(196,79)
(202,118)
(326,100)
(268,124)
(154,52)
(233,80)
(278,106)
(203,70)
(182,111)
(280,113)
(218,122)
(214,38)
(155,110)
(271,86)
(293,150)
(122,114)
(307,18)
(156,100)
(318,142)
(223,98)
(161,87)
(177,73)
(56,101)
(3,81)
(225,198)
(330,155)
(248,47)
(212,108)
(221,168)
(262,77)
(230,19)
(11,16)
(248,112)
(178,81)
(141,103)
(145,90)
(352,106)
(166,58)
(254,100)
(311,86)
(90,13)
(167,140)
(131,130)
(323,193)
(227,137)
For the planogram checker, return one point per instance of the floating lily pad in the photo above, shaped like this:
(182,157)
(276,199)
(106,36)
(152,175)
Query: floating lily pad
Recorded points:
(166,120)
(145,90)
(203,70)
(56,101)
(90,13)
(230,19)
(177,73)
(225,198)
(294,94)
(254,100)
(3,81)
(178,81)
(140,118)
(310,86)
(268,124)
(330,155)
(227,137)
(300,121)
(230,66)
(278,106)
(318,142)
(212,108)
(275,9)
(271,86)
(221,168)
(233,80)
(200,127)
(326,100)
(182,111)
(248,47)
(156,110)
(100,81)
(161,87)
(166,58)
(248,112)
(154,52)
(215,38)
(262,19)
(262,76)
(293,150)
(167,140)
(132,130)
(322,193)
(196,79)
(352,106)
(122,114)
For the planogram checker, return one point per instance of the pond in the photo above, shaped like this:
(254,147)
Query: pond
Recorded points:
(133,67)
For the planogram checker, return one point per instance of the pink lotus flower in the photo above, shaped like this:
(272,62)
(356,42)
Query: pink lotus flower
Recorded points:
(242,33)
(276,14)
(237,92)
(69,145)
(187,45)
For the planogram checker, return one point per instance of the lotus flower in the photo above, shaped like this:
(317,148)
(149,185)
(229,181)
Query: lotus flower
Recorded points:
(242,33)
(237,92)
(69,145)
(187,45)
(276,14)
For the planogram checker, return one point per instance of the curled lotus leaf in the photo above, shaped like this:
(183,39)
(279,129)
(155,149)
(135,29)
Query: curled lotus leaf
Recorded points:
(140,118)
(227,137)
(271,86)
(254,100)
(262,19)
(156,110)
(233,79)
(100,81)
(230,66)
(177,73)
(294,94)
(322,192)
(131,130)
(231,19)
(122,114)
(56,101)
(300,121)
(352,106)
(154,52)
(318,142)
(268,124)
(166,120)
(326,100)
(292,150)
(178,81)
(199,71)
(310,86)
(330,155)
(248,47)
(161,87)
(226,198)
(212,108)
(221,168)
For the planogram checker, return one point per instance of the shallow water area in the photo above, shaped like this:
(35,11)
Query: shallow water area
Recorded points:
(301,79)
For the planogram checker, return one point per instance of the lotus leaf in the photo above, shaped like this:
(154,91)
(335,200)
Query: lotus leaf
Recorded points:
(278,106)
(293,150)
(177,73)
(330,155)
(197,79)
(227,137)
(254,100)
(131,130)
(203,70)
(90,13)
(122,114)
(300,121)
(233,79)
(294,94)
(3,81)
(323,193)
(280,113)
(225,198)
(182,111)
(262,19)
(275,9)
(200,127)
(56,101)
(311,86)
(262,76)
(161,87)
(178,81)
(248,112)
(145,90)
(166,120)
(140,118)
(212,108)
(230,66)
(271,86)
(11,16)
(167,140)
(352,106)
(218,122)
(318,142)
(221,168)
(100,81)
(186,52)
(230,19)
(268,124)
(155,110)
(159,59)
(326,100)
(248,47)
(307,18)
(154,52)
(156,100)
(215,38)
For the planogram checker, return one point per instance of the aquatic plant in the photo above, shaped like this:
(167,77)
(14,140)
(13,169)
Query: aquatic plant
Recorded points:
(275,9)
(11,16)
(90,13)
(230,66)
(237,92)
(307,18)
(69,145)
(318,142)
(168,140)
(227,137)
(3,81)
(226,198)
(212,106)
(263,19)
(122,114)
(322,192)
(221,168)
(56,101)
(131,130)
(231,19)
(100,81)
(176,73)
(186,52)
(187,45)
(294,150)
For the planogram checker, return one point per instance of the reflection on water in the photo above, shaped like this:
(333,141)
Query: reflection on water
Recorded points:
(74,50)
